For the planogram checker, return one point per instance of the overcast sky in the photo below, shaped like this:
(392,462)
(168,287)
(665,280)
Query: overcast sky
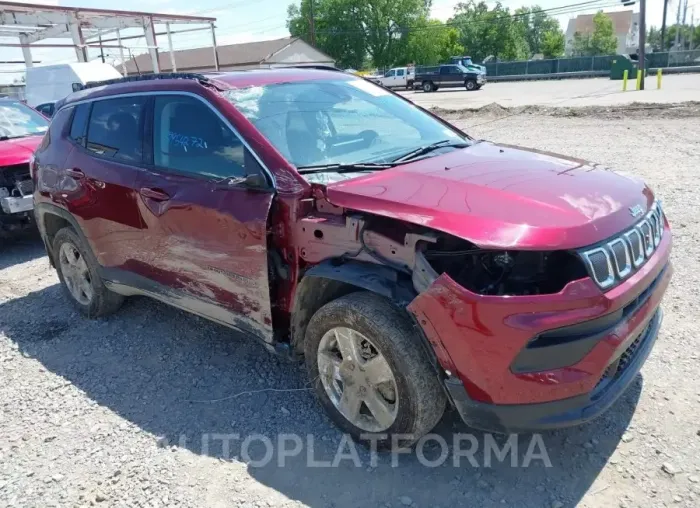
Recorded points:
(252,20)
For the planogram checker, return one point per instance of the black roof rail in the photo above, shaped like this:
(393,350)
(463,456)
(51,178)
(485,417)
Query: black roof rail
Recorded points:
(148,77)
(319,67)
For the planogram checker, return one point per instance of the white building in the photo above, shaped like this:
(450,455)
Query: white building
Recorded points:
(625,27)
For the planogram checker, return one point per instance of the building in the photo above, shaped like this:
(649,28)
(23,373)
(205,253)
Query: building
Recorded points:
(625,26)
(250,55)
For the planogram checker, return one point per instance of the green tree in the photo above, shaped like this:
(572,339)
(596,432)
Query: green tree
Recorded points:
(485,32)
(553,44)
(348,30)
(431,42)
(601,42)
(536,25)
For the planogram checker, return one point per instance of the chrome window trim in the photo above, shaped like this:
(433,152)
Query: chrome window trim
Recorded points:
(611,273)
(264,167)
(637,262)
(621,272)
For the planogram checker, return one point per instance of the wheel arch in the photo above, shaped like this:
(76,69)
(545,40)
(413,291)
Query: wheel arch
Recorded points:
(328,281)
(50,219)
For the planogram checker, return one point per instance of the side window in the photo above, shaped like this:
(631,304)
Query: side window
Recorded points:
(188,136)
(389,74)
(114,129)
(399,72)
(79,125)
(455,70)
(444,70)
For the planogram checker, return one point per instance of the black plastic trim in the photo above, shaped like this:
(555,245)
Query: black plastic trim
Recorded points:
(566,346)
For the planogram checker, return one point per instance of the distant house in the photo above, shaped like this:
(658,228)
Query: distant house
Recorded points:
(625,26)
(250,55)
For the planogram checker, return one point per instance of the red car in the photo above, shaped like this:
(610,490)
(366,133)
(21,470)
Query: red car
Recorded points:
(409,264)
(21,131)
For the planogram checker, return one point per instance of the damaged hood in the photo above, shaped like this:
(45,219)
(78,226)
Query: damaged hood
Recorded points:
(498,196)
(18,151)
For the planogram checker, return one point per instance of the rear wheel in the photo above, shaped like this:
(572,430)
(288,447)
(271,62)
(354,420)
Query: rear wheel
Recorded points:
(471,85)
(428,86)
(370,370)
(77,271)
(409,85)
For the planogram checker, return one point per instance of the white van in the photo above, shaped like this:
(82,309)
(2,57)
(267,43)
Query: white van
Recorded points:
(49,83)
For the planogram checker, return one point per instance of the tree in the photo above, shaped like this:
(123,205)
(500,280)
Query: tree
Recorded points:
(601,42)
(348,30)
(553,44)
(485,32)
(431,42)
(536,25)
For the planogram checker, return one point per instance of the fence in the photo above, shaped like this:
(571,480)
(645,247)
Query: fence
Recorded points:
(588,63)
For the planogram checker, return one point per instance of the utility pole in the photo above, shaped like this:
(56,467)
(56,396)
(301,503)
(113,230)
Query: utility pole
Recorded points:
(663,28)
(685,12)
(642,39)
(678,24)
(102,51)
(312,24)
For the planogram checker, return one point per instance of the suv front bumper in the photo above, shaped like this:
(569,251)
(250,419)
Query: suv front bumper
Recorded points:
(560,413)
(498,381)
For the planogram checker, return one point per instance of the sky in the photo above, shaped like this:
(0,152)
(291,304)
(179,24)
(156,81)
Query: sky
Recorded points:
(254,20)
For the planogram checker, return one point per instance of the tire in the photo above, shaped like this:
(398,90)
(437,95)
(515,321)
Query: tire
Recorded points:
(428,86)
(98,301)
(409,85)
(471,85)
(419,399)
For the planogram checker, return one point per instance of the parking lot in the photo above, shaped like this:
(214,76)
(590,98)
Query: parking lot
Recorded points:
(570,93)
(115,411)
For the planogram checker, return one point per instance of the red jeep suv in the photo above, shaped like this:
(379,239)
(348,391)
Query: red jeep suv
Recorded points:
(409,264)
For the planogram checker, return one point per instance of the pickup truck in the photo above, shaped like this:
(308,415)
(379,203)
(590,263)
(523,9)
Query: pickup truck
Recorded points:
(398,77)
(430,79)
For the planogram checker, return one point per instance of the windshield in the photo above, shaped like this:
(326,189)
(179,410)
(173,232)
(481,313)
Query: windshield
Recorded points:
(338,122)
(18,120)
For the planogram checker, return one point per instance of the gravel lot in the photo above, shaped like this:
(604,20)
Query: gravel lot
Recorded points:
(109,412)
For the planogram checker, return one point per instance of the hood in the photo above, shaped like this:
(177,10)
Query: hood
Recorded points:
(18,151)
(498,196)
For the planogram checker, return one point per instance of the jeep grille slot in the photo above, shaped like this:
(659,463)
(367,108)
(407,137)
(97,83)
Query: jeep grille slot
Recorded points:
(616,259)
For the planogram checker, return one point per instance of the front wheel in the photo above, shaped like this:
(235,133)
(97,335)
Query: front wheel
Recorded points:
(471,85)
(370,370)
(409,85)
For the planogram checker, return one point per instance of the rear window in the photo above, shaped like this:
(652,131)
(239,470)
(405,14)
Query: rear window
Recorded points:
(115,128)
(79,125)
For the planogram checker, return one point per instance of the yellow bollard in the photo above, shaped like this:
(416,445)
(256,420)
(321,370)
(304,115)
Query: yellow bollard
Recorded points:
(658,79)
(639,80)
(625,75)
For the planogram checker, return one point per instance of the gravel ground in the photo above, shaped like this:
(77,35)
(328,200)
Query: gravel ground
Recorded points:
(124,411)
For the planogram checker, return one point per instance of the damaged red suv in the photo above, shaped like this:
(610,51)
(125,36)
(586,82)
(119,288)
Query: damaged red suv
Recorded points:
(409,264)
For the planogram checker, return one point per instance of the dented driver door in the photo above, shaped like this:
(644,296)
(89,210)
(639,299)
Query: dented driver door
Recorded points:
(205,233)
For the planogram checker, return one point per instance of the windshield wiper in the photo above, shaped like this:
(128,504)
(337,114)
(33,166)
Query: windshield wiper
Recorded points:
(344,168)
(429,148)
(5,138)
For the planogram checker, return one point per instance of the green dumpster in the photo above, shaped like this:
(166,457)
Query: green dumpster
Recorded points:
(623,63)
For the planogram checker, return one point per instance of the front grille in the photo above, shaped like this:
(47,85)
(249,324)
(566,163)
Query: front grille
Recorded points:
(17,180)
(617,258)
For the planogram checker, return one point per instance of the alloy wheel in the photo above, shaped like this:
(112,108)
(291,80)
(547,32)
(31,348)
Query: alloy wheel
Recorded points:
(358,379)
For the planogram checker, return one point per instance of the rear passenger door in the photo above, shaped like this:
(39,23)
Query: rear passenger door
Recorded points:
(97,183)
(450,75)
(205,232)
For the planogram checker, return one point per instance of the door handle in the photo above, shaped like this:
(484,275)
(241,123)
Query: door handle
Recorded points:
(154,194)
(75,173)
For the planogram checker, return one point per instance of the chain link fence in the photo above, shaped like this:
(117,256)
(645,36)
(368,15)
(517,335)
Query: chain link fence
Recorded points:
(588,64)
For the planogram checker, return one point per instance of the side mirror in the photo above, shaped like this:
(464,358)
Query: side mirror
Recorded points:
(254,181)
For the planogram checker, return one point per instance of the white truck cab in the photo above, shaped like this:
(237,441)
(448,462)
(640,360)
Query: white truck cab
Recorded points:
(398,77)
